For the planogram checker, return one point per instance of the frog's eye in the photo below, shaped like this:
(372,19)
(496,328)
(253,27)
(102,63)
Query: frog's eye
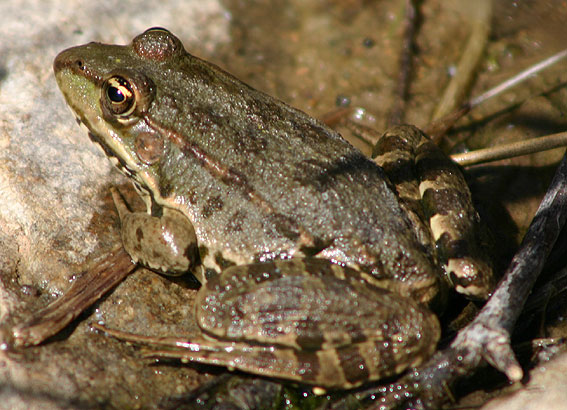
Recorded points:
(119,96)
(125,96)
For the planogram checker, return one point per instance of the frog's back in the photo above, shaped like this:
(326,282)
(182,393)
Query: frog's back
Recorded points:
(272,181)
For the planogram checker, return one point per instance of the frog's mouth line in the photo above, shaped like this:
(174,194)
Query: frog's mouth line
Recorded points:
(118,162)
(115,159)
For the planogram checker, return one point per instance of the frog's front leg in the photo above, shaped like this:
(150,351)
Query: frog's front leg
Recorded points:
(432,187)
(306,320)
(166,244)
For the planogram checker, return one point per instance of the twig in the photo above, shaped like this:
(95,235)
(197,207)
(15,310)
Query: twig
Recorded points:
(397,113)
(518,78)
(436,129)
(511,150)
(85,290)
(481,12)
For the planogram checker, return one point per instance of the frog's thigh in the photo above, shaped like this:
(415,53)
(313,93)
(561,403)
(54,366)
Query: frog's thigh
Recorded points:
(448,206)
(321,319)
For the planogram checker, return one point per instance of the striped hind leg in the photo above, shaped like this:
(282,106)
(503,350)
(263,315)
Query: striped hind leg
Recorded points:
(432,186)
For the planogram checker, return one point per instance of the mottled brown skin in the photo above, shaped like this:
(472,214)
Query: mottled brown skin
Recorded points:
(313,269)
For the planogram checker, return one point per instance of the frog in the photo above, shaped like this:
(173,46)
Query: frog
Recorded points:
(317,264)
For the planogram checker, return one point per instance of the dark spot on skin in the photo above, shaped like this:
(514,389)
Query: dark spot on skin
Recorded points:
(192,254)
(212,205)
(409,133)
(191,197)
(169,102)
(284,225)
(309,167)
(109,153)
(222,262)
(432,163)
(443,201)
(203,252)
(353,364)
(389,143)
(312,132)
(157,210)
(236,222)
(262,272)
(356,333)
(404,276)
(251,141)
(308,335)
(166,188)
(309,365)
(436,172)
(400,171)
(235,316)
(139,234)
(464,281)
(210,275)
(270,330)
(387,359)
(449,248)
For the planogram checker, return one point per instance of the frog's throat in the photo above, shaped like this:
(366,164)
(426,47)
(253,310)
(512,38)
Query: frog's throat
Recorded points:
(115,159)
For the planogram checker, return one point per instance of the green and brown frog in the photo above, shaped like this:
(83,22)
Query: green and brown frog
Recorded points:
(317,264)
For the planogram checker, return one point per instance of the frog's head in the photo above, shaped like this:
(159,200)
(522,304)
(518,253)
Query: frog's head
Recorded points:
(109,92)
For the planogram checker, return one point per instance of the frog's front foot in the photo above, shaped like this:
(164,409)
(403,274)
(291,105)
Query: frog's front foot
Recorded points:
(166,244)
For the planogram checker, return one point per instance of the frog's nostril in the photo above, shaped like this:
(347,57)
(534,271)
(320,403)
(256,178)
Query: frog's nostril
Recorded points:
(69,60)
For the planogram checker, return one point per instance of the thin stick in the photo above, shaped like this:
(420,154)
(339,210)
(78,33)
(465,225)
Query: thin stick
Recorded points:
(511,150)
(397,113)
(436,129)
(481,12)
(518,78)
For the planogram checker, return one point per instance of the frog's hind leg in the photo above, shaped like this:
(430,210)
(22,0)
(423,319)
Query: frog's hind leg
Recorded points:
(257,359)
(395,153)
(345,368)
(447,205)
(305,320)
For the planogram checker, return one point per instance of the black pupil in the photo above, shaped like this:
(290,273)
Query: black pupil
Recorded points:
(115,95)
